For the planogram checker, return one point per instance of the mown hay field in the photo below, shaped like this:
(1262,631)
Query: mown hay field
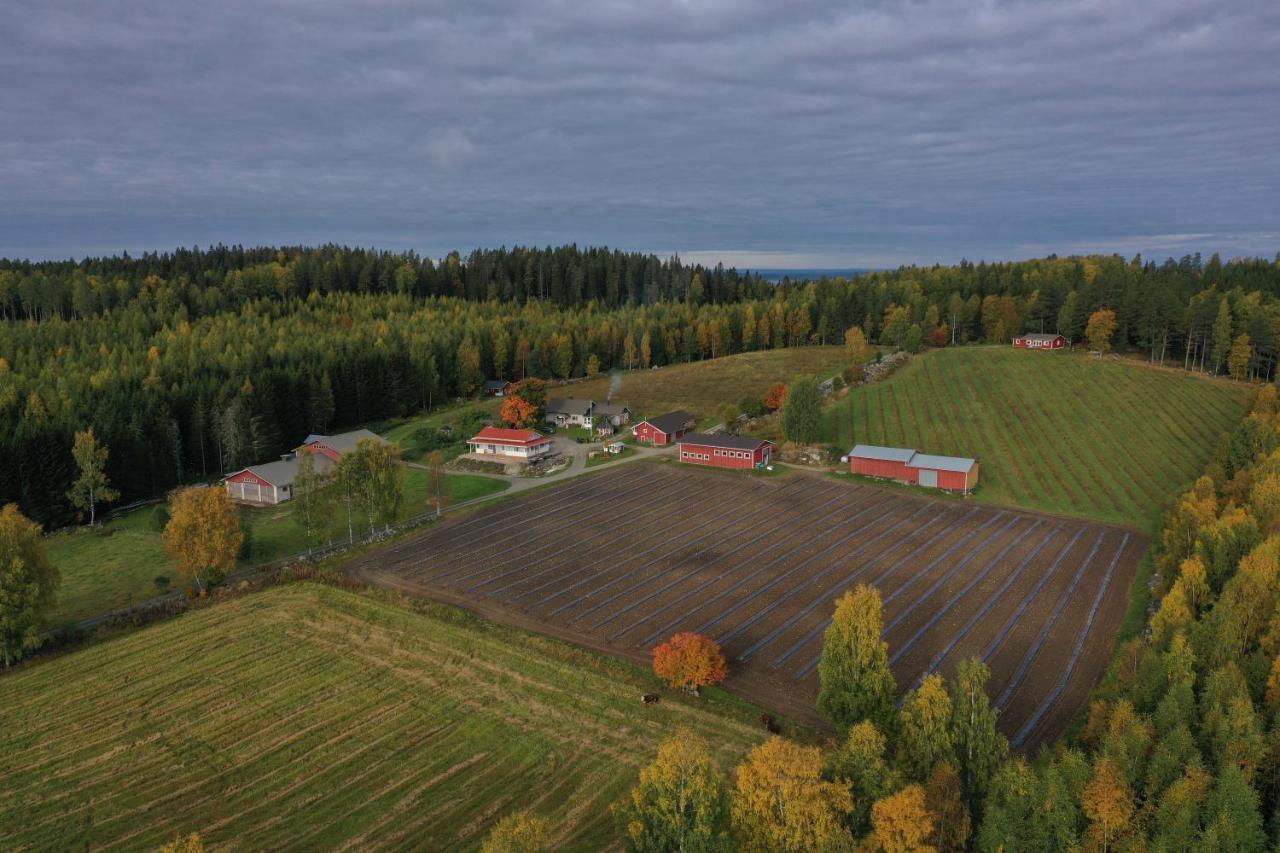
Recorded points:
(1055,431)
(703,386)
(305,717)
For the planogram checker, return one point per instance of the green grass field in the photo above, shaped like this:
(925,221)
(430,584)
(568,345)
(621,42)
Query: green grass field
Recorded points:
(702,386)
(305,717)
(1054,431)
(117,564)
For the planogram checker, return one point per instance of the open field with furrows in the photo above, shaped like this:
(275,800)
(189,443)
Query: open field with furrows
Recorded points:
(702,386)
(305,717)
(1055,431)
(621,560)
(117,563)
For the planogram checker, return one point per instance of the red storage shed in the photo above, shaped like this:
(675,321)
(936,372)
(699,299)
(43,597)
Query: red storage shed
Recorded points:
(722,450)
(663,430)
(949,473)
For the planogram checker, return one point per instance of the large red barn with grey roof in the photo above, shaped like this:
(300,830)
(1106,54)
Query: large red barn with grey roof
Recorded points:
(949,473)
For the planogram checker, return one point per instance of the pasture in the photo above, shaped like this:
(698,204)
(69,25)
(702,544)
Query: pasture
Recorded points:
(702,386)
(1054,431)
(623,559)
(305,717)
(117,563)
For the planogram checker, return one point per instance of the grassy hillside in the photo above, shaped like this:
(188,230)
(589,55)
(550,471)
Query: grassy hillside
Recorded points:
(1054,431)
(305,717)
(702,386)
(118,563)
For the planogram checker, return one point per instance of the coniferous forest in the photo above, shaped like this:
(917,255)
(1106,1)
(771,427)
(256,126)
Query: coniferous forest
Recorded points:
(197,362)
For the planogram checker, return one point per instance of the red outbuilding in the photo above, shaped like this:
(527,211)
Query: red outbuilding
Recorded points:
(949,473)
(1039,342)
(663,430)
(722,450)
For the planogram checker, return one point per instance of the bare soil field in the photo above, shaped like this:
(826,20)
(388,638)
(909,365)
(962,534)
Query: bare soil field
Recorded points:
(621,560)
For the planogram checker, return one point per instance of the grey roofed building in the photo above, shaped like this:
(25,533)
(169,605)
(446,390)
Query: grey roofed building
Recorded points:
(672,421)
(721,439)
(611,410)
(495,385)
(569,406)
(345,442)
(280,473)
(885,454)
(941,463)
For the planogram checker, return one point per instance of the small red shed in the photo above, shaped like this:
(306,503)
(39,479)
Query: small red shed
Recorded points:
(665,429)
(722,450)
(1039,342)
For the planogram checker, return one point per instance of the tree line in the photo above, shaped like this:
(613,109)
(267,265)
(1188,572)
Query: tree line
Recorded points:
(195,363)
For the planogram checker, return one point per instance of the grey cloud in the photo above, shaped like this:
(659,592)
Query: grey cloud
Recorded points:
(862,135)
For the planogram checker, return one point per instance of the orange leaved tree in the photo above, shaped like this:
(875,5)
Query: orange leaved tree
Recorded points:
(517,412)
(690,661)
(775,396)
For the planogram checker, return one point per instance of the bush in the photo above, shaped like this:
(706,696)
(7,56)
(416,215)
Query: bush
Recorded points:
(752,408)
(158,517)
(161,583)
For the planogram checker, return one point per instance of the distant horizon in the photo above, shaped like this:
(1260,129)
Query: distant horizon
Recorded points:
(742,262)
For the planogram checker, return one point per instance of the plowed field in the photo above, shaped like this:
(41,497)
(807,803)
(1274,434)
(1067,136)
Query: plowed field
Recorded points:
(621,560)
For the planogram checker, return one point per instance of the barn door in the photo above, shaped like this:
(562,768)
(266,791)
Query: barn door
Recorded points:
(929,478)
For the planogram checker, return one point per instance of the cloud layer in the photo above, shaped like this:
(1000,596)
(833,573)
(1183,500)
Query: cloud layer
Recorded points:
(797,133)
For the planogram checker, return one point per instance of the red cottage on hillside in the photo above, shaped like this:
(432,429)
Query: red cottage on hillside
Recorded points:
(661,431)
(722,450)
(949,473)
(1039,342)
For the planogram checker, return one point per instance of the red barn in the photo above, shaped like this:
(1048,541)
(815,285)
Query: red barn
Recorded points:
(271,483)
(1039,342)
(663,430)
(949,473)
(722,450)
(333,447)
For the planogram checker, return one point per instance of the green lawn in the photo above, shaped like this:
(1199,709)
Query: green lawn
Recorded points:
(605,458)
(304,717)
(116,565)
(418,436)
(1054,431)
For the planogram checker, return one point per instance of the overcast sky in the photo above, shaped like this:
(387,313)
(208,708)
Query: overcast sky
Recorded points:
(770,133)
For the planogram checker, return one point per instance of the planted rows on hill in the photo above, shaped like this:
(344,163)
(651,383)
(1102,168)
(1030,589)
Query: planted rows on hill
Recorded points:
(1053,431)
(308,718)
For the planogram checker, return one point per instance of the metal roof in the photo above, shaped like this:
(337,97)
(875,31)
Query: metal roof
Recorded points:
(497,435)
(941,463)
(720,439)
(495,384)
(1039,337)
(279,473)
(884,454)
(344,442)
(609,409)
(569,406)
(671,421)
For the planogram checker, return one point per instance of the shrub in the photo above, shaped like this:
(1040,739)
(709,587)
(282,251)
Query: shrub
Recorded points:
(158,517)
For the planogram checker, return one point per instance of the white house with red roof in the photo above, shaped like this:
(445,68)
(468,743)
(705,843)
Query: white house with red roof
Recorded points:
(520,444)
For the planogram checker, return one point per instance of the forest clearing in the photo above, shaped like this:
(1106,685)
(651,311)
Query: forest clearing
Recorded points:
(756,563)
(703,386)
(305,717)
(1057,432)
